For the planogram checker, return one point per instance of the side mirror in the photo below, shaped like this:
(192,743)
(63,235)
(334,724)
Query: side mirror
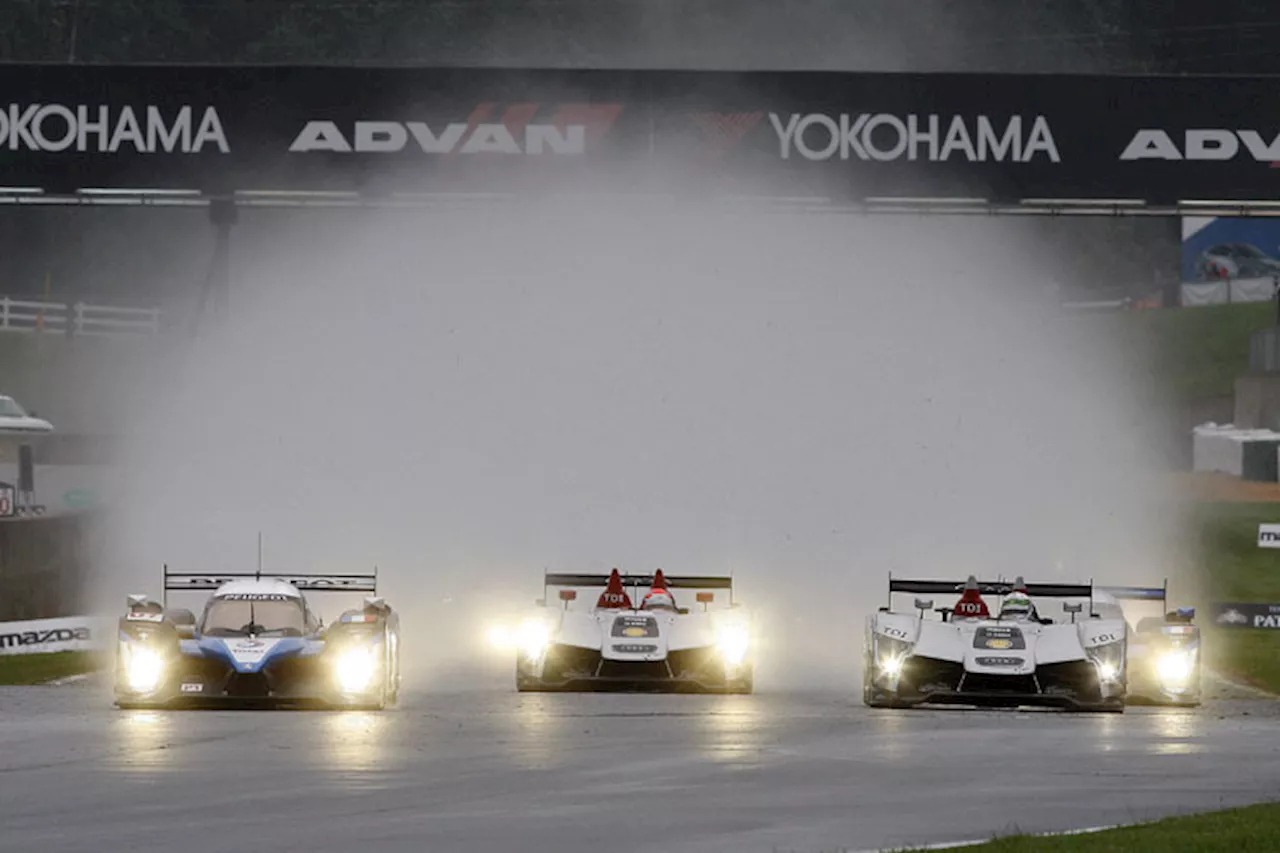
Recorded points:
(924,604)
(1073,609)
(184,621)
(705,598)
(568,594)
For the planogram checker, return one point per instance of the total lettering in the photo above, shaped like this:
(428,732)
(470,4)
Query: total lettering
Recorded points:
(884,137)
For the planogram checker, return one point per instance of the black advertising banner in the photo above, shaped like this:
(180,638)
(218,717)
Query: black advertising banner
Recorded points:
(846,136)
(1240,615)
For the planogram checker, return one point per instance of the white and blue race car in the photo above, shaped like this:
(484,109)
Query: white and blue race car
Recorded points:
(258,643)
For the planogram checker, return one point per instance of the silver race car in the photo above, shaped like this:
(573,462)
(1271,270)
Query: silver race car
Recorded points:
(966,655)
(625,642)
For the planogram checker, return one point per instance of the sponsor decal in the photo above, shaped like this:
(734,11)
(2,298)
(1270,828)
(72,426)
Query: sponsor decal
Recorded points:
(255,596)
(567,131)
(933,138)
(192,688)
(635,626)
(103,129)
(1269,535)
(723,130)
(999,661)
(634,649)
(998,637)
(1232,617)
(1247,615)
(1203,144)
(46,636)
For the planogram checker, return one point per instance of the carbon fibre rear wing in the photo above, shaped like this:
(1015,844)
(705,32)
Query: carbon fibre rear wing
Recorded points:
(635,581)
(196,581)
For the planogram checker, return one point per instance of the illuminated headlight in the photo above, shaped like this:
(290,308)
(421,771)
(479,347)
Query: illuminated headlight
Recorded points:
(143,667)
(732,642)
(355,669)
(891,655)
(1109,660)
(891,665)
(1174,668)
(533,637)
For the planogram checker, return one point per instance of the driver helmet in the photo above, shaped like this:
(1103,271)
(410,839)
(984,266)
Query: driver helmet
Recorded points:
(658,599)
(1017,606)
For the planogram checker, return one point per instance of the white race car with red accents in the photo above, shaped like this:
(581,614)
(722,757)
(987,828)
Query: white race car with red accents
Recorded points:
(1004,655)
(626,640)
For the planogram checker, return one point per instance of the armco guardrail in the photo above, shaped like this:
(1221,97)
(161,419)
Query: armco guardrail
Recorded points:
(20,315)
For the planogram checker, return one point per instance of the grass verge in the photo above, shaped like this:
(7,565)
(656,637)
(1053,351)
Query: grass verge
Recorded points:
(1236,569)
(1244,830)
(39,668)
(1197,353)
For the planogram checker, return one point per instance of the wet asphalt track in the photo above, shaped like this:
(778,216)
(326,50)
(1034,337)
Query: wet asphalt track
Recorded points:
(499,771)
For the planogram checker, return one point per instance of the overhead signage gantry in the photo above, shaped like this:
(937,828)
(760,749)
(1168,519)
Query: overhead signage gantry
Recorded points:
(410,137)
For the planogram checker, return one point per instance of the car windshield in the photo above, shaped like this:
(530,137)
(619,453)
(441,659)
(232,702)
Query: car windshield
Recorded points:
(9,408)
(238,617)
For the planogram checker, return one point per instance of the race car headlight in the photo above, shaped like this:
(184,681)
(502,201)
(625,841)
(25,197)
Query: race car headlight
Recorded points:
(891,654)
(1109,660)
(533,637)
(355,669)
(143,667)
(891,665)
(732,642)
(1174,668)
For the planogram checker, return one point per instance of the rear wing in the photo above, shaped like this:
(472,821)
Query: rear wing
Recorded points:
(1137,593)
(196,581)
(937,587)
(551,579)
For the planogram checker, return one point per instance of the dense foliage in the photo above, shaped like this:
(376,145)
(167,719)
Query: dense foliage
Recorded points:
(928,35)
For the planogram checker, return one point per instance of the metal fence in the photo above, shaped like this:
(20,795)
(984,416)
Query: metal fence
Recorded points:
(20,315)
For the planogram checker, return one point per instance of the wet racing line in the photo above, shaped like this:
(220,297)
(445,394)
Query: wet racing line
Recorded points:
(493,769)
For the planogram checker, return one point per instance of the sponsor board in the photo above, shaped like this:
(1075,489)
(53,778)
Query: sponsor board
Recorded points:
(102,129)
(996,137)
(1269,535)
(1247,615)
(567,130)
(931,138)
(71,634)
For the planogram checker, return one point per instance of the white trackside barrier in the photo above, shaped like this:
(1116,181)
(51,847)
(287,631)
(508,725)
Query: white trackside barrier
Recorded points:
(1227,449)
(1198,293)
(21,315)
(70,634)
